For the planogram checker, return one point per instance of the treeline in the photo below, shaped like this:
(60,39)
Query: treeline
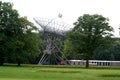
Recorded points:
(21,42)
(111,53)
(103,53)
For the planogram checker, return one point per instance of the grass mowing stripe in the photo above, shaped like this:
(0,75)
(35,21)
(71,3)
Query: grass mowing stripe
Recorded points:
(57,73)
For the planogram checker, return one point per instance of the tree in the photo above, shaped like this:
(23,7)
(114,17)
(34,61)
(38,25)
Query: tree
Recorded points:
(89,33)
(109,53)
(70,51)
(17,38)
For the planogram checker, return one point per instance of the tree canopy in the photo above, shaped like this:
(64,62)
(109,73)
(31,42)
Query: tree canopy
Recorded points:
(16,35)
(89,33)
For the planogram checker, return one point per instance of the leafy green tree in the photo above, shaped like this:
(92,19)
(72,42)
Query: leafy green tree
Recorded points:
(89,33)
(70,51)
(116,50)
(108,53)
(17,38)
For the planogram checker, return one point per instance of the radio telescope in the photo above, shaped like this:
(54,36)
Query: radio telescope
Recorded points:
(54,32)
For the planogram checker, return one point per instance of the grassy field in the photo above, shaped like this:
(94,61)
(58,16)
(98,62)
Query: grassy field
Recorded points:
(57,73)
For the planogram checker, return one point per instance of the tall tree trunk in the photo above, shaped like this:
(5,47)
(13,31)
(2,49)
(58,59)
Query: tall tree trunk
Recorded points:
(1,59)
(87,63)
(19,63)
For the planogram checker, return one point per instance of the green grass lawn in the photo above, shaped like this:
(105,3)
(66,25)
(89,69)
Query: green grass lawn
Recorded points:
(58,73)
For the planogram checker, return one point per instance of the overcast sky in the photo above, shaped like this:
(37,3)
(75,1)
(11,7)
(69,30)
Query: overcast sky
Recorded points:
(70,9)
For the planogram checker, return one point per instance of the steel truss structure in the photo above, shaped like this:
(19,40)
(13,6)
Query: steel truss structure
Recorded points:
(53,41)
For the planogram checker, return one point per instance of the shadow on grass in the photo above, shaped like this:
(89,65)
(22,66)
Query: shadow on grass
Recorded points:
(110,75)
(52,71)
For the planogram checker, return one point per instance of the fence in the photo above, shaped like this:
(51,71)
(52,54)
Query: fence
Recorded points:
(94,63)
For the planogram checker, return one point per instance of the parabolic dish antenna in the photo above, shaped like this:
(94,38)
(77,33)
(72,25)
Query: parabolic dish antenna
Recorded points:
(54,32)
(52,26)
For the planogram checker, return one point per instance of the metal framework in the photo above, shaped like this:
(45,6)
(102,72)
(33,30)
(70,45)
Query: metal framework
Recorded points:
(53,32)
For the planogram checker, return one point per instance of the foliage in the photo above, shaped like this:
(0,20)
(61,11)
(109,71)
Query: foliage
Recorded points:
(70,51)
(89,33)
(17,38)
(113,53)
